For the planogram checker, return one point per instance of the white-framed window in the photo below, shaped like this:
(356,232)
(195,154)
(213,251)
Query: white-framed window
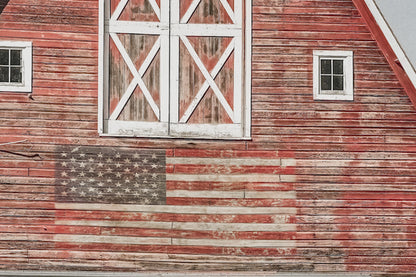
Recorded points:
(333,76)
(15,66)
(176,69)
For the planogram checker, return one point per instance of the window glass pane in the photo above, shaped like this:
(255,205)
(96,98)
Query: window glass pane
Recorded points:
(4,74)
(326,67)
(16,75)
(16,57)
(4,57)
(338,67)
(338,83)
(325,82)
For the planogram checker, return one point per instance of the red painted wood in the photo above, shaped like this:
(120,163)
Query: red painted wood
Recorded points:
(387,49)
(339,195)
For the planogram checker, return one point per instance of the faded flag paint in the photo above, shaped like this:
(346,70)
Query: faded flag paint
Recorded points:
(238,203)
(110,175)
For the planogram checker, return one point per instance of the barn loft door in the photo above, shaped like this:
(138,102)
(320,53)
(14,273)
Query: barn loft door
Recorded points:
(175,68)
(206,69)
(138,96)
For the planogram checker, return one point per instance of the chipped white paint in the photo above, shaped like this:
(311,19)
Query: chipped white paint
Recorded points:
(237,227)
(288,162)
(288,178)
(175,209)
(271,194)
(205,194)
(265,178)
(120,224)
(235,243)
(224,161)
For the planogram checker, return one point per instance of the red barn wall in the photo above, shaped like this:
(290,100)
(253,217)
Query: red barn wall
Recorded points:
(330,186)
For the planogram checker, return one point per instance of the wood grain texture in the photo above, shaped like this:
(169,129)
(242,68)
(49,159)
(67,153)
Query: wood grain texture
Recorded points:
(323,186)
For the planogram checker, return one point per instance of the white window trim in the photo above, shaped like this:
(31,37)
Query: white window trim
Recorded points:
(347,57)
(241,131)
(26,85)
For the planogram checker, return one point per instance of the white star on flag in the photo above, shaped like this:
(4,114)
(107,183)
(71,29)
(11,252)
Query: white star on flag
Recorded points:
(106,175)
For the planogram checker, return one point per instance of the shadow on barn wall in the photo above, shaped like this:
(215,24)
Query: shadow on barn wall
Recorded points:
(3,4)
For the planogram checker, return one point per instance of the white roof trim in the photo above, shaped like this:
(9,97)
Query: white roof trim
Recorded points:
(398,50)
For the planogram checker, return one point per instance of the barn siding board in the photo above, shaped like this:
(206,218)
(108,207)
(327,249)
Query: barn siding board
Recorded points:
(327,187)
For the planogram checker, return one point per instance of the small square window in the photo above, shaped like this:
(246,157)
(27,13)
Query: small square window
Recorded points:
(333,75)
(16,66)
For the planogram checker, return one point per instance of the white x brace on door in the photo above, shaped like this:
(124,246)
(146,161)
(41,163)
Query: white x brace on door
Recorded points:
(174,68)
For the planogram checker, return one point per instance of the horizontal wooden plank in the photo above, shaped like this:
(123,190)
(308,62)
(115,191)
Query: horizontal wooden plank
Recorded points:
(322,186)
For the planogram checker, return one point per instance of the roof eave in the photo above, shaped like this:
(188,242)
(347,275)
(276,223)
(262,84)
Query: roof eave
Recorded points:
(389,46)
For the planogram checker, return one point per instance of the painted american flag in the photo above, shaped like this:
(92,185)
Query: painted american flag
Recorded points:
(212,199)
(110,175)
(210,202)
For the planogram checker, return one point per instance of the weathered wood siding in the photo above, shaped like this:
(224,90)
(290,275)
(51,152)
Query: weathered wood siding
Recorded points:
(322,186)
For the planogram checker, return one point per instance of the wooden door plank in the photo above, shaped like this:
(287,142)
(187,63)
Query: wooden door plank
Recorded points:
(228,9)
(208,77)
(136,74)
(206,85)
(187,16)
(156,8)
(238,80)
(164,62)
(131,27)
(143,68)
(119,10)
(174,64)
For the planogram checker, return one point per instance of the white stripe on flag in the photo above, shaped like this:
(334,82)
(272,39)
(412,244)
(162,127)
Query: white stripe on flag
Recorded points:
(240,194)
(175,209)
(237,227)
(225,161)
(121,224)
(265,178)
(188,226)
(235,243)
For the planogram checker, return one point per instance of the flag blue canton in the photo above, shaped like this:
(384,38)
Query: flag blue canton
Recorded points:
(110,175)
